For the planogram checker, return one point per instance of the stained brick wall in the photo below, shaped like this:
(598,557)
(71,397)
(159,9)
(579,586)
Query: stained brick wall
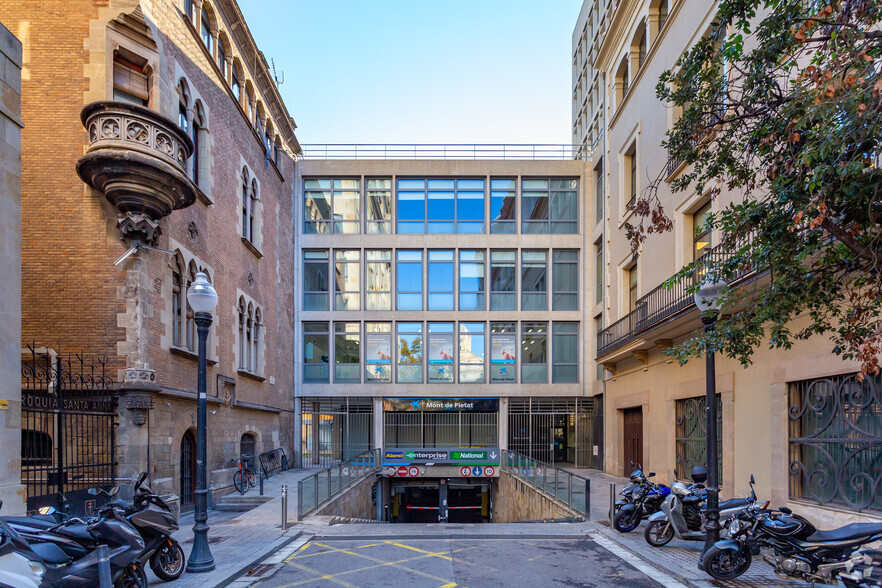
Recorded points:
(74,298)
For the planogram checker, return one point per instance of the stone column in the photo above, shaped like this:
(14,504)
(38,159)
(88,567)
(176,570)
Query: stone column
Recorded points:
(12,492)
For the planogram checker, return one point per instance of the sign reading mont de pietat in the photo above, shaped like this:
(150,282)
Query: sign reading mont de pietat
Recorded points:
(441,404)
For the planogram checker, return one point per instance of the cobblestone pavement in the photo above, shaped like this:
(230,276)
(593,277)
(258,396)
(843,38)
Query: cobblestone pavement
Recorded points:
(446,563)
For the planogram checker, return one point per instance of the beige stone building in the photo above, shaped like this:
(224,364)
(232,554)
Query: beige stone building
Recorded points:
(796,419)
(156,145)
(12,493)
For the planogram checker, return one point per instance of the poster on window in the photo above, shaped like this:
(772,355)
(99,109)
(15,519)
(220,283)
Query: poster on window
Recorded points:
(440,357)
(378,356)
(503,356)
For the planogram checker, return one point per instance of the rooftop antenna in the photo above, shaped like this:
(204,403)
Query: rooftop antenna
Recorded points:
(279,81)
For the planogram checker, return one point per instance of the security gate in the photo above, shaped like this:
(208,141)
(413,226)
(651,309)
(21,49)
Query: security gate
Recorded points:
(68,426)
(552,430)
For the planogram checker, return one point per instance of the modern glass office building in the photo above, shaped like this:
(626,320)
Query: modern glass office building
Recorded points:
(443,306)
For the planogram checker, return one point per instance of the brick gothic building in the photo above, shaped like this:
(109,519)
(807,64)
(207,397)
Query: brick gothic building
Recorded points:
(192,151)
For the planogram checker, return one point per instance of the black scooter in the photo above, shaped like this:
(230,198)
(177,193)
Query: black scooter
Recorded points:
(153,518)
(791,545)
(68,551)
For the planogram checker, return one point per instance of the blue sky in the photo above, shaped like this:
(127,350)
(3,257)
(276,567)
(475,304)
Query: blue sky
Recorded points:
(421,71)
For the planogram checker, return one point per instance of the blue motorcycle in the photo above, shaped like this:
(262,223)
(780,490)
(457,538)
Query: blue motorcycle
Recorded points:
(642,498)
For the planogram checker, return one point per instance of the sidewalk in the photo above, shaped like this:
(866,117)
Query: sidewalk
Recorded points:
(241,542)
(599,490)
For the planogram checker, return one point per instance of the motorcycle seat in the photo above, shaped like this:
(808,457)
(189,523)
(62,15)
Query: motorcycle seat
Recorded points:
(733,503)
(34,522)
(49,553)
(76,531)
(848,532)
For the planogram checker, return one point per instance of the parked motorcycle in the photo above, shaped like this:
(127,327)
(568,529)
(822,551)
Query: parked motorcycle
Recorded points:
(682,514)
(794,548)
(642,500)
(153,518)
(637,478)
(15,569)
(69,550)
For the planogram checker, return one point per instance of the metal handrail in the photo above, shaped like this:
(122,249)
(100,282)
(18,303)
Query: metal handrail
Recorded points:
(556,483)
(322,483)
(474,151)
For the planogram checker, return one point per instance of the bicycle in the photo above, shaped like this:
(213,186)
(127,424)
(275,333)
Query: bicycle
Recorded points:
(243,476)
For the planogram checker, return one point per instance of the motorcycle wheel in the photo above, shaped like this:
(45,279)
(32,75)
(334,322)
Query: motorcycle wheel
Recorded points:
(725,564)
(168,561)
(626,521)
(659,533)
(133,576)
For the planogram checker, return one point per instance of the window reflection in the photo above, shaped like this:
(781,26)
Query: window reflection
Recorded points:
(316,352)
(440,280)
(534,284)
(503,276)
(534,352)
(565,352)
(378,279)
(503,206)
(347,357)
(440,353)
(409,276)
(316,283)
(379,206)
(347,282)
(410,352)
(471,279)
(565,276)
(440,206)
(549,206)
(471,353)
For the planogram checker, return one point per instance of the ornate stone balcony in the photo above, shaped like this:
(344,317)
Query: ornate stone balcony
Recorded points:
(138,159)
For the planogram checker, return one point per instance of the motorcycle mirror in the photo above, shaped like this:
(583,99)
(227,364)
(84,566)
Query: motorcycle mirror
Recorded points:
(752,481)
(632,463)
(785,510)
(140,481)
(46,510)
(93,491)
(113,491)
(651,474)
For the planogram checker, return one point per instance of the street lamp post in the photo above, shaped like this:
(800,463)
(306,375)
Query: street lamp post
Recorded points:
(202,298)
(708,300)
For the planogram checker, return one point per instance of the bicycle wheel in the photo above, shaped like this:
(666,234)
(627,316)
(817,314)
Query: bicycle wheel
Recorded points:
(239,482)
(251,477)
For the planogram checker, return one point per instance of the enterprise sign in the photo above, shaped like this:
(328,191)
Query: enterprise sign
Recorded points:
(441,404)
(458,456)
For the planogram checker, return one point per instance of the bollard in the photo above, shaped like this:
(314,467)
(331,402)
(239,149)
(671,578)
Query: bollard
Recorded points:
(104,567)
(588,499)
(285,508)
(612,502)
(261,485)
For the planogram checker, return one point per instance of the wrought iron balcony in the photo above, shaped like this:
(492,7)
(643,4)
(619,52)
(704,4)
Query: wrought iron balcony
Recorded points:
(138,159)
(660,304)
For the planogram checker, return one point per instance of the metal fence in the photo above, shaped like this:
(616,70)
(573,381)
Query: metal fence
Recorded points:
(323,486)
(445,151)
(334,430)
(561,485)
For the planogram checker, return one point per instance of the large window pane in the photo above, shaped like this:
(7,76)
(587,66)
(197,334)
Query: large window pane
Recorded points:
(410,353)
(440,280)
(441,353)
(503,352)
(332,205)
(409,276)
(565,350)
(411,206)
(379,206)
(471,353)
(534,352)
(316,284)
(565,276)
(534,206)
(378,279)
(550,206)
(347,339)
(503,206)
(347,282)
(534,284)
(378,352)
(441,209)
(471,280)
(316,352)
(469,206)
(317,205)
(347,197)
(598,274)
(503,280)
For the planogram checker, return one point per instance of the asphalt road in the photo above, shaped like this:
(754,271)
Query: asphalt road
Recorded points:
(449,563)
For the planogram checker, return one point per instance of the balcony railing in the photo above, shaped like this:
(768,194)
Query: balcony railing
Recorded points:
(660,304)
(441,151)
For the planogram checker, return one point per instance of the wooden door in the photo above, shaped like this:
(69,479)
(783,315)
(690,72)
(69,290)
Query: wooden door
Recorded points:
(633,439)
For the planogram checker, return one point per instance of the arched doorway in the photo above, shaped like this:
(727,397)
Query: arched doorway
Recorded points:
(248,447)
(188,470)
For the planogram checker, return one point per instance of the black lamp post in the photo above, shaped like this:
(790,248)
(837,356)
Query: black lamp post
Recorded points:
(202,298)
(708,300)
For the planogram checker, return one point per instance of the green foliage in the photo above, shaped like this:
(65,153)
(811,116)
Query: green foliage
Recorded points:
(781,105)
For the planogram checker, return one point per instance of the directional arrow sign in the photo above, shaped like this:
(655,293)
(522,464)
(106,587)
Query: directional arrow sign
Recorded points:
(493,455)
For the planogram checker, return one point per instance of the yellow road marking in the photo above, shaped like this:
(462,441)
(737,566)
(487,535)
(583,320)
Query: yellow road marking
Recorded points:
(370,545)
(328,577)
(430,553)
(451,585)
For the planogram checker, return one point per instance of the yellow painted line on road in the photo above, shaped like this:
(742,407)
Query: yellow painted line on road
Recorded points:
(369,545)
(451,585)
(429,553)
(328,577)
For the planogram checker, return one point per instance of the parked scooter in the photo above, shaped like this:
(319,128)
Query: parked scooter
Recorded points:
(16,570)
(643,499)
(68,550)
(153,518)
(682,514)
(795,548)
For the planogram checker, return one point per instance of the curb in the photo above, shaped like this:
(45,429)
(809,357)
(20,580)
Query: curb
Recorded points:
(244,570)
(673,573)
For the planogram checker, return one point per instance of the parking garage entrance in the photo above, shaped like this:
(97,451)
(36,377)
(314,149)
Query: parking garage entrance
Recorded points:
(441,500)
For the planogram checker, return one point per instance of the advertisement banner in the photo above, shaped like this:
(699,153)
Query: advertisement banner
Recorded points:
(441,404)
(503,356)
(480,456)
(378,348)
(440,357)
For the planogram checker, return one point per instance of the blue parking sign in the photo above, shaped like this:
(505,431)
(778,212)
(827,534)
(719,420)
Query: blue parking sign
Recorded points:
(477,471)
